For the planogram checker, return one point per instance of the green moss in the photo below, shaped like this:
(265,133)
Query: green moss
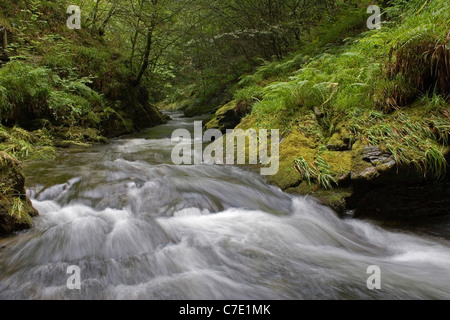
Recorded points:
(128,123)
(335,199)
(16,211)
(339,161)
(225,118)
(212,124)
(247,123)
(358,164)
(294,146)
(36,145)
(19,212)
(338,142)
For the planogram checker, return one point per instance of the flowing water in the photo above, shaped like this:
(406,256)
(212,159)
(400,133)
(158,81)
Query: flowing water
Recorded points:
(141,228)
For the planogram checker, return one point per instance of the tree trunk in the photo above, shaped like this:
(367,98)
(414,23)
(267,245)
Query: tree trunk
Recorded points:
(5,39)
(95,16)
(145,62)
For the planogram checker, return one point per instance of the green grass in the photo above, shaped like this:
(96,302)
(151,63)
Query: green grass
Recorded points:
(22,144)
(318,172)
(371,86)
(17,208)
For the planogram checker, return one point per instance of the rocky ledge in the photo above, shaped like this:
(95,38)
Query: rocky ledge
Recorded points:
(350,175)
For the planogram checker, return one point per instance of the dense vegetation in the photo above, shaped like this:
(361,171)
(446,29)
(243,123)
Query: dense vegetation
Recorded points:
(360,110)
(389,88)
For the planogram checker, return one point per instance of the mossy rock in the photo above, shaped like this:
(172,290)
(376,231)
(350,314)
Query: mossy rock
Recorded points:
(294,146)
(361,170)
(225,118)
(340,163)
(112,124)
(16,210)
(335,198)
(35,145)
(338,142)
(247,123)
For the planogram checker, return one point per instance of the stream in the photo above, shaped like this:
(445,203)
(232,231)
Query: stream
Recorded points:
(139,227)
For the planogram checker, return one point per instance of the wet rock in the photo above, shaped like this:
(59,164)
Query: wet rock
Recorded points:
(378,157)
(366,174)
(400,202)
(16,210)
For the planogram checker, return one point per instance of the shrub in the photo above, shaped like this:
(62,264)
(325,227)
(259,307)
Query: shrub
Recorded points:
(26,88)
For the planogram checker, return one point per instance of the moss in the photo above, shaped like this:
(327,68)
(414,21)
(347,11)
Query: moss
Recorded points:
(247,123)
(335,199)
(20,212)
(36,145)
(340,162)
(225,118)
(304,188)
(128,124)
(212,124)
(339,141)
(16,210)
(294,146)
(358,164)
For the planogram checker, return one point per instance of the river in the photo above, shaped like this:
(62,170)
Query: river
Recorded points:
(139,227)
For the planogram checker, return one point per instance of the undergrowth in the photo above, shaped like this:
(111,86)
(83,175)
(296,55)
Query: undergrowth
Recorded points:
(369,84)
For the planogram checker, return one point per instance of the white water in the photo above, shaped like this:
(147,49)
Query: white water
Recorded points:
(140,228)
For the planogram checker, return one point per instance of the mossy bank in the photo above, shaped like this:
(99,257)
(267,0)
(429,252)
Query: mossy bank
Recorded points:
(364,122)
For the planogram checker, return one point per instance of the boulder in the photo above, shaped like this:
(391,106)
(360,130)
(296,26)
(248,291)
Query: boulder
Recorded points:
(225,118)
(16,210)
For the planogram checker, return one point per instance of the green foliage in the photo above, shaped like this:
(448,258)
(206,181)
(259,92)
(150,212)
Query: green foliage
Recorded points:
(36,90)
(25,86)
(249,94)
(17,208)
(352,88)
(59,58)
(18,211)
(412,142)
(5,106)
(91,61)
(434,103)
(22,144)
(318,172)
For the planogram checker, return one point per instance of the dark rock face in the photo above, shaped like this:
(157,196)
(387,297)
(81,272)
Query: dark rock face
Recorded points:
(398,201)
(226,117)
(392,192)
(134,113)
(16,210)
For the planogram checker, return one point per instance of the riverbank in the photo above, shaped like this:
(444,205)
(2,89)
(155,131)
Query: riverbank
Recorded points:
(365,124)
(58,88)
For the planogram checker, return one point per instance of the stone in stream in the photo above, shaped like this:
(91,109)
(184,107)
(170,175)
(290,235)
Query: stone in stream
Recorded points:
(225,118)
(16,210)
